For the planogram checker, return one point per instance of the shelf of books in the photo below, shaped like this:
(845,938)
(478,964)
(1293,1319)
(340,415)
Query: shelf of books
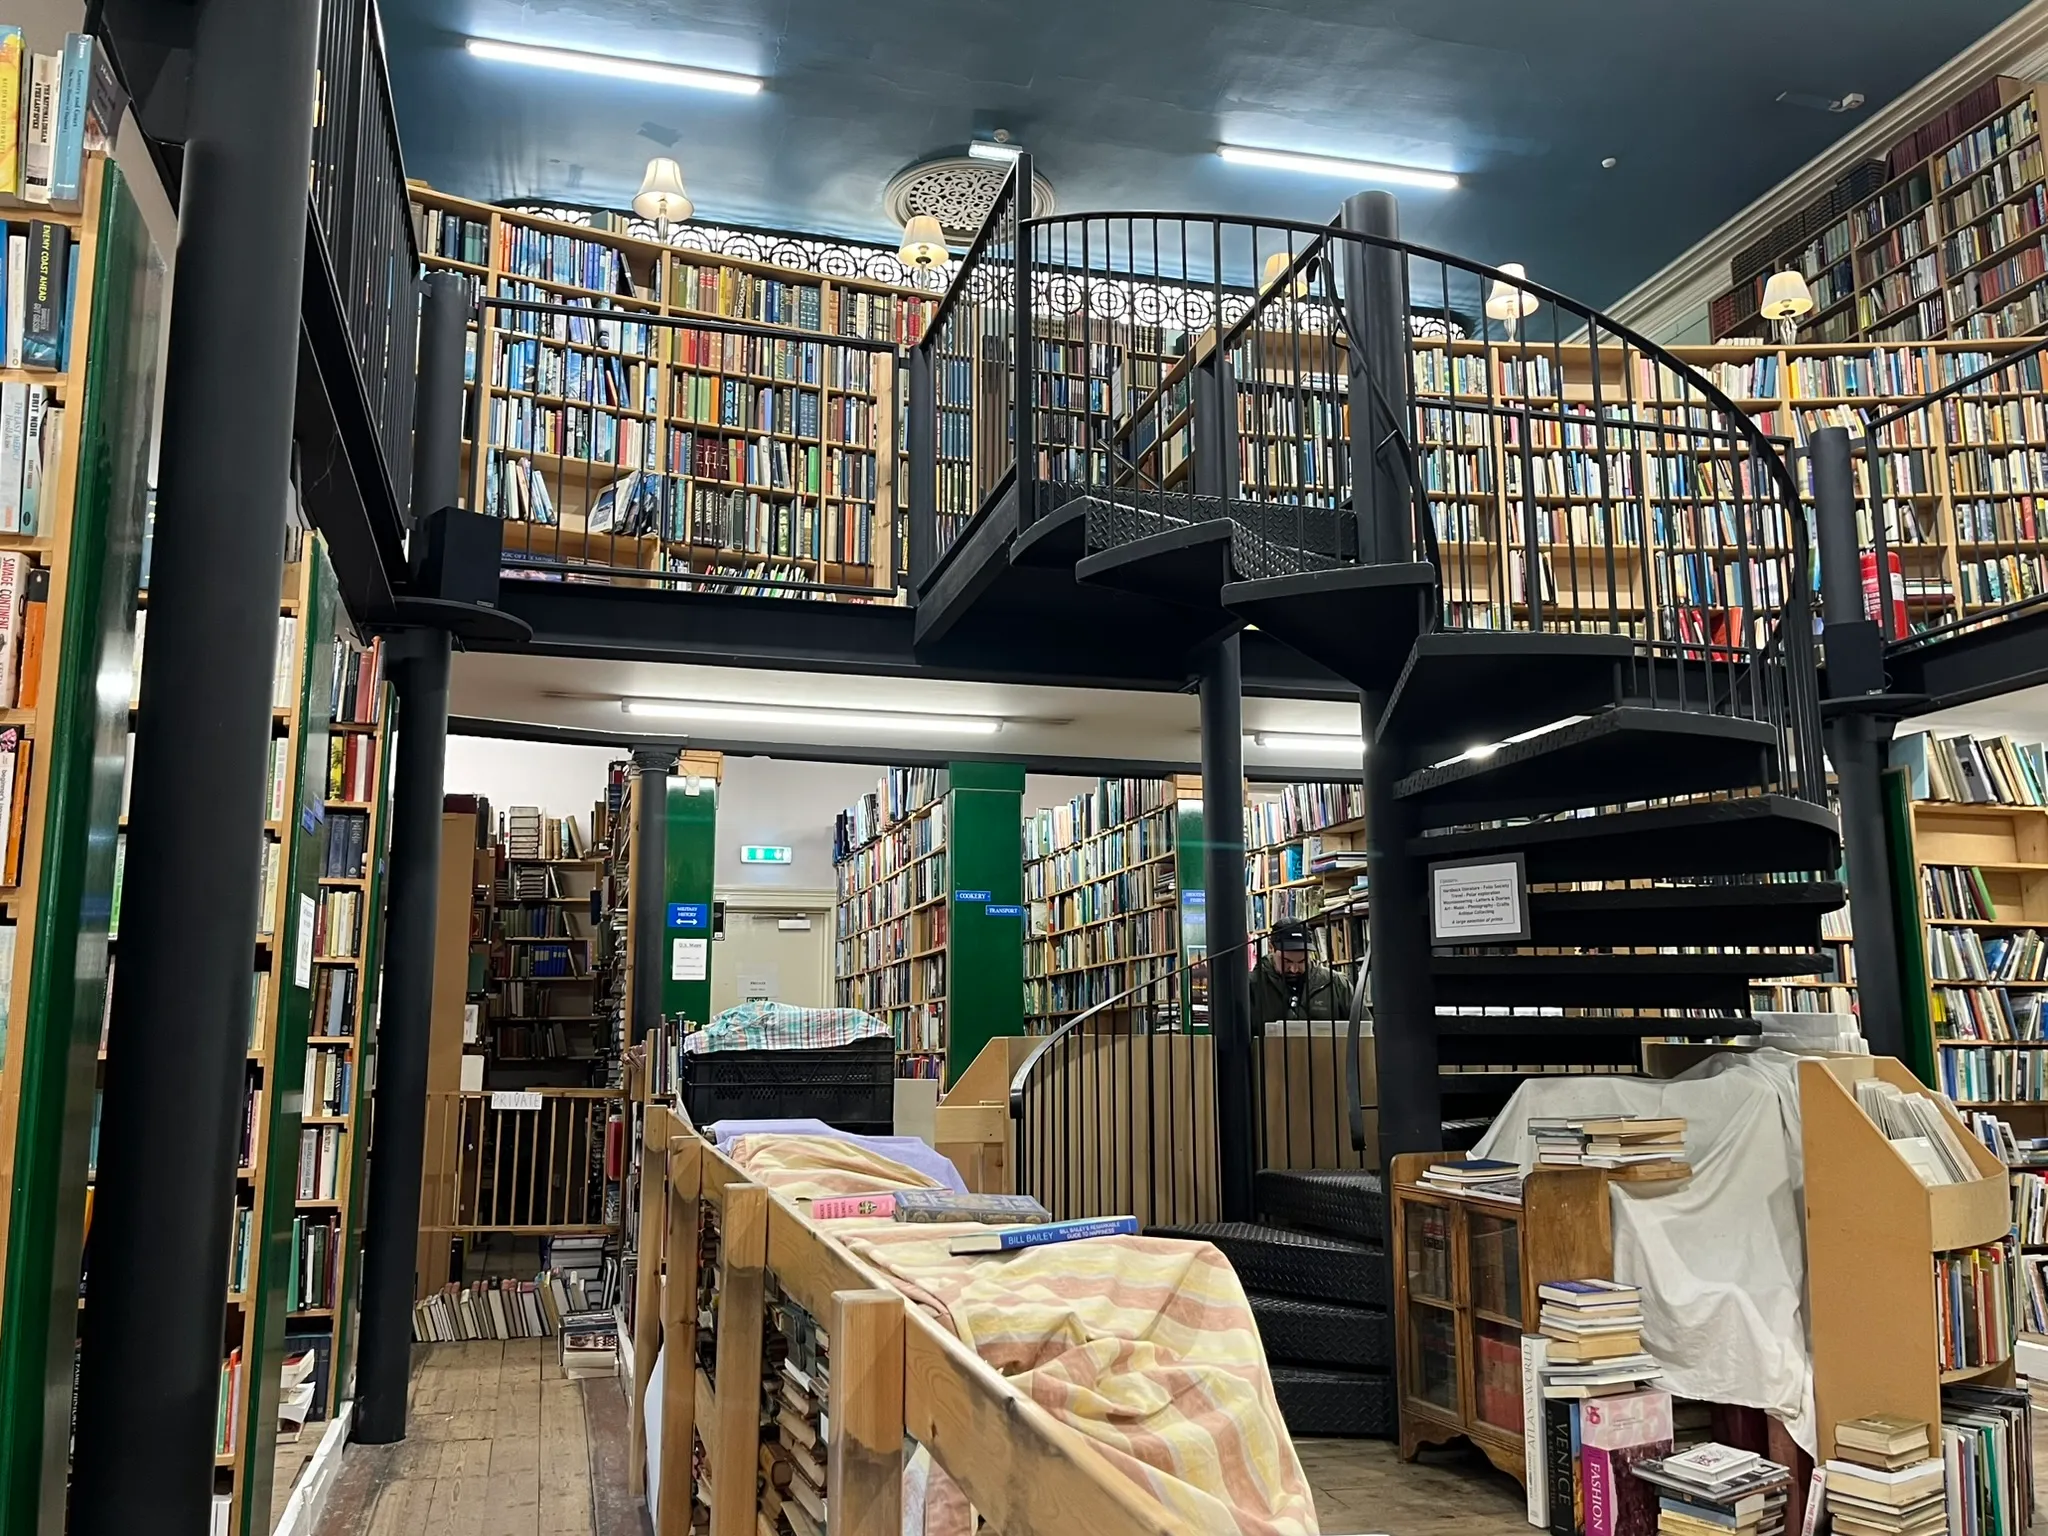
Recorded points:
(1943,237)
(1305,858)
(78,361)
(1112,884)
(1908,1239)
(930,916)
(546,1019)
(1979,819)
(644,446)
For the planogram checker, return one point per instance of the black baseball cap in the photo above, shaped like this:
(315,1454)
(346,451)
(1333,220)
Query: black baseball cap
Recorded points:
(1291,933)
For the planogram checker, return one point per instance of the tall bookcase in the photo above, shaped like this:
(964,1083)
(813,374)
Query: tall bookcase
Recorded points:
(1110,880)
(767,459)
(929,925)
(57,913)
(1305,859)
(1948,243)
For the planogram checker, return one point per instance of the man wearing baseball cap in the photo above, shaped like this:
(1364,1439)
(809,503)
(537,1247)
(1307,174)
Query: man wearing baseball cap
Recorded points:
(1291,984)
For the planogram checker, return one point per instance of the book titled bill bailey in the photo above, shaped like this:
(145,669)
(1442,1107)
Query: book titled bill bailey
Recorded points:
(1009,1239)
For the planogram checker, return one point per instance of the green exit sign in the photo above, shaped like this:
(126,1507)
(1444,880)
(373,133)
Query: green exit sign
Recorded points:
(761,853)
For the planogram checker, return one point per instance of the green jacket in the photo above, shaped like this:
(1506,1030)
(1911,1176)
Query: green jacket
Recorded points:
(1319,995)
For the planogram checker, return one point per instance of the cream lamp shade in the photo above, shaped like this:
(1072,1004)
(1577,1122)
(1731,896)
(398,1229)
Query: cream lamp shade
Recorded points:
(1276,268)
(924,243)
(1506,301)
(1787,300)
(661,196)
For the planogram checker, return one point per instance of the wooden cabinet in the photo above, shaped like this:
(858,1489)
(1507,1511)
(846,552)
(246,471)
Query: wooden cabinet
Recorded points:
(1465,1278)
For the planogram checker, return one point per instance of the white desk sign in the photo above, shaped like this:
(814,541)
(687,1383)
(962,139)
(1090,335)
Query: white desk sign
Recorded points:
(503,1100)
(1478,901)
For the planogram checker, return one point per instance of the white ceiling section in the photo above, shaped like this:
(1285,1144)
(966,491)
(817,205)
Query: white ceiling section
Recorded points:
(1075,725)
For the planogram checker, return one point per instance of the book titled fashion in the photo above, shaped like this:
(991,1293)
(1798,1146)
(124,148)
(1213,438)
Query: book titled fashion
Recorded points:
(1009,1239)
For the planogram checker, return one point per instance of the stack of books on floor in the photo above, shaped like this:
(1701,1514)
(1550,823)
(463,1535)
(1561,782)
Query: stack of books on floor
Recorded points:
(793,1498)
(590,1344)
(1987,1448)
(494,1309)
(1716,1490)
(590,1279)
(1885,1480)
(1593,1339)
(1483,1178)
(1637,1146)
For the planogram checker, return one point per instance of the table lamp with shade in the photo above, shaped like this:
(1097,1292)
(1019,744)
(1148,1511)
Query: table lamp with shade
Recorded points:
(1787,300)
(1508,302)
(661,196)
(924,244)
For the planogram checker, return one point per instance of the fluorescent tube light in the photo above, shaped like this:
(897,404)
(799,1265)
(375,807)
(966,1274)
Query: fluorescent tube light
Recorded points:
(989,149)
(1297,741)
(1327,165)
(614,67)
(802,718)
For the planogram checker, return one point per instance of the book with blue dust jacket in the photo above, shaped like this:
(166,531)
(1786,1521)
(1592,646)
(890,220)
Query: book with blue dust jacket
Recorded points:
(1009,1239)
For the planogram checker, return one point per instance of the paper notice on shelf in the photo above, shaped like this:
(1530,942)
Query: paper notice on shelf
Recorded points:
(302,958)
(691,960)
(757,983)
(1475,900)
(502,1099)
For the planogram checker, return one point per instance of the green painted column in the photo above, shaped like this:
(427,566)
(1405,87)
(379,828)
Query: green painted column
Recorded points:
(689,868)
(1189,860)
(987,925)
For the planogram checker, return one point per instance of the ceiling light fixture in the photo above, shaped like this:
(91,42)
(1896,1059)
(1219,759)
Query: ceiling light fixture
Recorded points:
(613,67)
(1302,741)
(1326,165)
(924,244)
(999,148)
(714,713)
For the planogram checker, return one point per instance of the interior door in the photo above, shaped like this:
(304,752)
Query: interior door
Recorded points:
(767,955)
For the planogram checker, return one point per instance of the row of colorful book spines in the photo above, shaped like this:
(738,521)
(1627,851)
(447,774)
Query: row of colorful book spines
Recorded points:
(1109,805)
(638,343)
(896,986)
(736,295)
(1063,864)
(1140,935)
(1119,896)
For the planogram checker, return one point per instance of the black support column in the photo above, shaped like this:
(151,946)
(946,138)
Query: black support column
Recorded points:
(1858,730)
(1403,1000)
(1230,999)
(143,1456)
(419,665)
(647,904)
(923,490)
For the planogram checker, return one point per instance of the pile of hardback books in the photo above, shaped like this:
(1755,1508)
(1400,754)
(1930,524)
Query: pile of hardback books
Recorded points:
(1716,1490)
(1884,1479)
(1483,1178)
(1644,1146)
(1593,1332)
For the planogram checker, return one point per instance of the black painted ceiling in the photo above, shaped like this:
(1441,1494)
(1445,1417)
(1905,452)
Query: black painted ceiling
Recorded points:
(1124,101)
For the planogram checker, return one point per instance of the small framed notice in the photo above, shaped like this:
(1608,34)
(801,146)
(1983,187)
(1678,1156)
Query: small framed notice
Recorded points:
(1479,901)
(690,960)
(503,1100)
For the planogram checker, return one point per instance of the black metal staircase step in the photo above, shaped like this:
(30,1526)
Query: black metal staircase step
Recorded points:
(1304,1265)
(1339,1202)
(1515,1039)
(1503,683)
(1759,834)
(1780,912)
(1352,1404)
(1321,1333)
(1056,540)
(1612,758)
(1187,566)
(1609,981)
(1358,620)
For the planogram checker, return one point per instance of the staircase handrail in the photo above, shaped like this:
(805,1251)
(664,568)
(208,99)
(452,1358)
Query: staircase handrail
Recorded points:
(1020,1080)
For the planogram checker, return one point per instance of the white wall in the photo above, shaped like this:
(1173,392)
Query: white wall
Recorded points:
(561,780)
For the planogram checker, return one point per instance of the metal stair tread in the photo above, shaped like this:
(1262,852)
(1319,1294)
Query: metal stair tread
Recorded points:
(1622,755)
(1755,834)
(1505,682)
(1353,1404)
(1323,1333)
(1279,1262)
(1360,621)
(1718,980)
(1780,912)
(1340,1202)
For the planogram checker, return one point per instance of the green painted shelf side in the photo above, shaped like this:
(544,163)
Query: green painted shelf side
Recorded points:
(1189,871)
(688,873)
(985,954)
(366,1059)
(285,1074)
(1904,895)
(79,753)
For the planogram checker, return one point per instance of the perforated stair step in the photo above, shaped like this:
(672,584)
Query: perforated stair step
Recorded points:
(1356,1405)
(1322,1333)
(1299,1264)
(1339,1202)
(1759,834)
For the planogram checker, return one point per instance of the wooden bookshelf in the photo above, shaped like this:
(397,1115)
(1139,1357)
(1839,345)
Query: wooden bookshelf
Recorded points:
(582,410)
(929,924)
(1285,835)
(1107,882)
(1873,1234)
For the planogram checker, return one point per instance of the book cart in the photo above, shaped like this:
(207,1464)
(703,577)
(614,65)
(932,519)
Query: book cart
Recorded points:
(711,1243)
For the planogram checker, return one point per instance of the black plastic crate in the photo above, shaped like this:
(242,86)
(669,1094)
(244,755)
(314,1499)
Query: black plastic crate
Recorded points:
(849,1087)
